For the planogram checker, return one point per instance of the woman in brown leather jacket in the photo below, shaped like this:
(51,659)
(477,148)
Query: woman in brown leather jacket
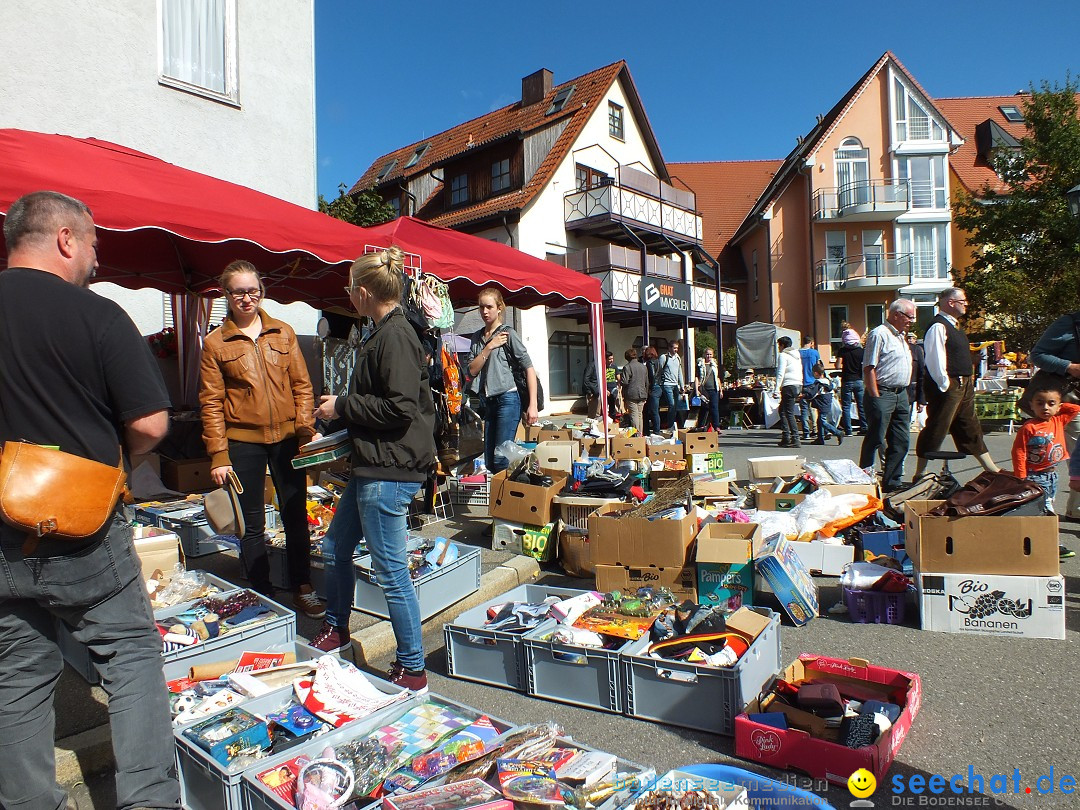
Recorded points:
(257,409)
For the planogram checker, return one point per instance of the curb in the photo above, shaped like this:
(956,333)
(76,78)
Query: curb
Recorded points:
(90,752)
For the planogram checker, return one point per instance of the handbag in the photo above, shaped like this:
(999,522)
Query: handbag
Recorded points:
(48,493)
(990,493)
(928,488)
(222,507)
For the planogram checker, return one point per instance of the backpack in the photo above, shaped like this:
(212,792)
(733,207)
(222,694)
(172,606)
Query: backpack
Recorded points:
(521,380)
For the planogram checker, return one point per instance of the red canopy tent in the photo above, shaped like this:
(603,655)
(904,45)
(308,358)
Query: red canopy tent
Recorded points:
(173,229)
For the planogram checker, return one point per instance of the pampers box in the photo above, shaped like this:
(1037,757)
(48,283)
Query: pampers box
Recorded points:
(779,566)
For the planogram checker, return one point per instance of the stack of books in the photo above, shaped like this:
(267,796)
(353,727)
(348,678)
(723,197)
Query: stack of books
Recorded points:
(323,451)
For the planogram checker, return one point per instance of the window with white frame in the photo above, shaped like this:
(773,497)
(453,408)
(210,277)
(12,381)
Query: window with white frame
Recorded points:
(852,173)
(925,176)
(838,316)
(500,175)
(875,315)
(198,47)
(615,120)
(910,118)
(928,246)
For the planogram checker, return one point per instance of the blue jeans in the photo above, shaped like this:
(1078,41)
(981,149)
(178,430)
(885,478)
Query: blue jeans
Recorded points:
(710,411)
(1048,480)
(376,511)
(671,397)
(652,409)
(852,391)
(888,428)
(100,596)
(806,417)
(824,425)
(502,415)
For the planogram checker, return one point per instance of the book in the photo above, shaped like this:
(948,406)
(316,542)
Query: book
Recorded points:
(281,779)
(323,451)
(529,781)
(469,794)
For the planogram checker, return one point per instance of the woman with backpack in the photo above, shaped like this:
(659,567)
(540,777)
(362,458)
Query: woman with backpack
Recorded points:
(491,377)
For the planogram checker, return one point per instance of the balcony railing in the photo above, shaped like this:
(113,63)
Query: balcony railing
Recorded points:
(616,257)
(868,271)
(639,198)
(865,200)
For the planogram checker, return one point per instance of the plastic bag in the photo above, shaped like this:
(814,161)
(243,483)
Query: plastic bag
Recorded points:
(513,453)
(837,471)
(862,576)
(821,509)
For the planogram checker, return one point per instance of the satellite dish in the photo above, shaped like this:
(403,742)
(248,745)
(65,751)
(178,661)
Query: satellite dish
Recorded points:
(323,328)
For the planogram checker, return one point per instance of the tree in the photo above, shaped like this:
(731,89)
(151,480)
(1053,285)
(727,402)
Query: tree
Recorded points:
(1026,270)
(363,209)
(703,339)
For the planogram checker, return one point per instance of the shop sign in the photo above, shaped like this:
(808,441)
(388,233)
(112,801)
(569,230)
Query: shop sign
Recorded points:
(671,297)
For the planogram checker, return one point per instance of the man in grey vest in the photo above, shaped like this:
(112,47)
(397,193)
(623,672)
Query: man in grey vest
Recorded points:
(949,386)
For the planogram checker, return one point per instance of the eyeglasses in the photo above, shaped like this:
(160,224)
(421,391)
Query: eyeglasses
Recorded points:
(350,289)
(910,317)
(240,295)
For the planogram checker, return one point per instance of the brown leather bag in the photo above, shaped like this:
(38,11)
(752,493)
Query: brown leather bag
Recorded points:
(49,493)
(989,493)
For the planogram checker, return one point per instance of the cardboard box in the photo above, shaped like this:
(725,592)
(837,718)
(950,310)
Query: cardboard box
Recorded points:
(664,452)
(658,479)
(695,442)
(1028,607)
(591,446)
(186,475)
(157,549)
(780,567)
(638,541)
(806,745)
(705,462)
(1004,546)
(548,435)
(632,448)
(680,580)
(770,467)
(575,553)
(825,558)
(519,538)
(889,543)
(557,455)
(725,568)
(713,485)
(523,503)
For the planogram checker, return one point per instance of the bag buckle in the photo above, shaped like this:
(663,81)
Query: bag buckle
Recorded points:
(47,526)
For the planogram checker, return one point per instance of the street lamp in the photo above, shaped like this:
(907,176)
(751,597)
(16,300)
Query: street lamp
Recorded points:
(1073,196)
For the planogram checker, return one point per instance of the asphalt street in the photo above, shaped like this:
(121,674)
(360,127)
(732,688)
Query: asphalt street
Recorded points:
(991,706)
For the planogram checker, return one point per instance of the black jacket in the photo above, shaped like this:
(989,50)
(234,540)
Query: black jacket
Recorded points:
(388,409)
(916,392)
(850,362)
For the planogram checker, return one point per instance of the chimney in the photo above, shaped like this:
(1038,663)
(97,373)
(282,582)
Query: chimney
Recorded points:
(535,86)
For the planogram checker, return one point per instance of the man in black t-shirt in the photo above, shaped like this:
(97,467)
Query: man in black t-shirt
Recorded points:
(75,373)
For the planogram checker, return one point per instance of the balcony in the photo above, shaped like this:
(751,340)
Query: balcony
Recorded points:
(864,201)
(875,271)
(655,211)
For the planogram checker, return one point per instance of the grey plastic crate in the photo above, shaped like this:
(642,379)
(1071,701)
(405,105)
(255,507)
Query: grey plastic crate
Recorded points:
(258,797)
(699,697)
(435,591)
(78,657)
(570,673)
(205,784)
(188,521)
(279,570)
(494,657)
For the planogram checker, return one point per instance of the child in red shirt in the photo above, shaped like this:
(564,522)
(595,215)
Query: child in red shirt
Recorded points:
(1040,443)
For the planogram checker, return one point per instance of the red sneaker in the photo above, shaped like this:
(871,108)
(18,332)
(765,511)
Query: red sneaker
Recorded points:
(330,639)
(413,681)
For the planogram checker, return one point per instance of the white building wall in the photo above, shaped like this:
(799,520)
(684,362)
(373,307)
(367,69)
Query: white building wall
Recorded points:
(90,68)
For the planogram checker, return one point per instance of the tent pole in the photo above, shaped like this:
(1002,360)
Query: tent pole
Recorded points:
(596,316)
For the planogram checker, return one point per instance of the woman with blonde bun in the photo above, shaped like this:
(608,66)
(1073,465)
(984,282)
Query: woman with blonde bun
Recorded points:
(391,419)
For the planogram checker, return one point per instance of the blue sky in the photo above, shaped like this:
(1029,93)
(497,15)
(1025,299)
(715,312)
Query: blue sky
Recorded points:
(719,80)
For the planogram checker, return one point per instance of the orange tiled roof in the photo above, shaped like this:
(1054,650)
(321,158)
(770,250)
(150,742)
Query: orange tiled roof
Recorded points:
(507,121)
(726,191)
(966,113)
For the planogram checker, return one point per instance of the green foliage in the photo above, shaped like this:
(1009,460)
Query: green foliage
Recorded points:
(730,359)
(363,209)
(703,340)
(1026,269)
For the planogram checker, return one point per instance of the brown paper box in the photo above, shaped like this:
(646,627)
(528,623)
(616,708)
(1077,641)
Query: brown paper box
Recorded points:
(680,580)
(523,503)
(637,541)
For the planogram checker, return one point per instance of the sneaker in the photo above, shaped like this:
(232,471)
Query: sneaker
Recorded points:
(1064,553)
(839,439)
(307,602)
(330,639)
(413,681)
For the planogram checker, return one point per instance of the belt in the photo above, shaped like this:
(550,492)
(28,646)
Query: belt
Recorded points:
(896,389)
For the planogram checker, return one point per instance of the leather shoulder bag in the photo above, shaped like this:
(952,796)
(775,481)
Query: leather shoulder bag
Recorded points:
(50,493)
(222,506)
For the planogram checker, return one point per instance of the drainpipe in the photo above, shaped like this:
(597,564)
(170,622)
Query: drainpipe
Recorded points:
(509,233)
(810,245)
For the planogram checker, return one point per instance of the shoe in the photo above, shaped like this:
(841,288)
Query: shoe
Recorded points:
(330,639)
(413,681)
(839,439)
(1064,553)
(818,442)
(307,602)
(785,443)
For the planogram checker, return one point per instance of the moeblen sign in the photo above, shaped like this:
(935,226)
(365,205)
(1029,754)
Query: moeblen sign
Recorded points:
(672,297)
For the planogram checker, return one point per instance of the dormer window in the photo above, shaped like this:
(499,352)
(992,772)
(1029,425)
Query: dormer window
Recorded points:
(419,153)
(389,167)
(1012,113)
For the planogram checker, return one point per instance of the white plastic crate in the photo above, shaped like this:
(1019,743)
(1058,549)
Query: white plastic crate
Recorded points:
(493,657)
(205,784)
(257,796)
(574,510)
(700,697)
(188,521)
(469,493)
(279,630)
(435,591)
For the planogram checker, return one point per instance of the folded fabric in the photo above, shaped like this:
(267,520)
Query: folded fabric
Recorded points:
(338,692)
(248,614)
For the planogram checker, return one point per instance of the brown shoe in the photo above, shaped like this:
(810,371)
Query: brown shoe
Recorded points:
(413,681)
(331,639)
(307,602)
